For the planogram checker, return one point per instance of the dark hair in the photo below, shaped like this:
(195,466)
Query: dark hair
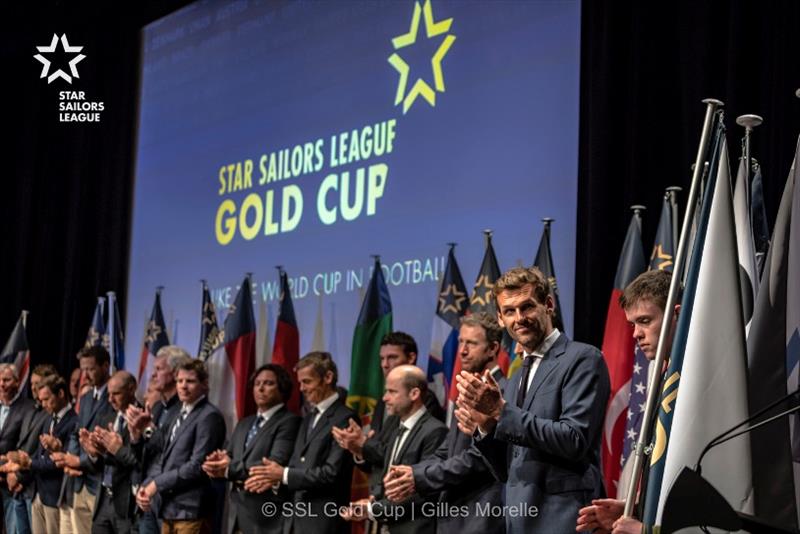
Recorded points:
(98,352)
(650,285)
(401,339)
(282,375)
(55,384)
(198,367)
(494,334)
(322,363)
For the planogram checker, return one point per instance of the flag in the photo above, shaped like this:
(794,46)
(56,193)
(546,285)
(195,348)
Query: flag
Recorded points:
(240,347)
(544,262)
(210,335)
(116,338)
(769,343)
(286,349)
(758,218)
(17,352)
(660,259)
(618,349)
(97,330)
(706,382)
(155,337)
(793,322)
(374,322)
(748,270)
(451,305)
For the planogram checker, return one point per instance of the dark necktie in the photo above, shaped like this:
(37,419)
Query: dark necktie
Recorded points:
(396,449)
(254,428)
(119,426)
(312,416)
(527,363)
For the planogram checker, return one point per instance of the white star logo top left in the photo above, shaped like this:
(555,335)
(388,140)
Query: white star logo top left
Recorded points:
(52,48)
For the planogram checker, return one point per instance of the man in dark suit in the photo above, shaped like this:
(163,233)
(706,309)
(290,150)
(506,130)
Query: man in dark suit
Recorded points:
(415,438)
(458,470)
(196,431)
(14,409)
(108,445)
(164,409)
(28,442)
(319,472)
(397,348)
(270,433)
(80,489)
(542,437)
(54,397)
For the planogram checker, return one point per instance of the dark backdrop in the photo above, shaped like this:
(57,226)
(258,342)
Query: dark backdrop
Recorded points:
(67,188)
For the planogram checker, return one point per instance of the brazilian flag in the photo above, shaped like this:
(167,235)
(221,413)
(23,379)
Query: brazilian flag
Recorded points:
(374,322)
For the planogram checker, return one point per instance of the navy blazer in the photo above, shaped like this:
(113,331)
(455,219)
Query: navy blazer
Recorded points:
(18,412)
(184,489)
(320,473)
(275,440)
(548,451)
(47,478)
(91,413)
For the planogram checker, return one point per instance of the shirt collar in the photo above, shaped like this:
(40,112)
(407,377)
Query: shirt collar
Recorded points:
(412,419)
(99,392)
(189,407)
(546,345)
(325,404)
(270,412)
(67,407)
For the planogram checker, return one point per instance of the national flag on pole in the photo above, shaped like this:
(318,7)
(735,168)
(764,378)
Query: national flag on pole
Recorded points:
(116,337)
(97,330)
(451,305)
(16,350)
(618,349)
(155,337)
(706,383)
(544,262)
(374,322)
(748,269)
(210,334)
(286,349)
(771,340)
(758,218)
(240,347)
(660,259)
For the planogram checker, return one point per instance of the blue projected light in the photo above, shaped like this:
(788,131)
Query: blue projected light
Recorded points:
(314,134)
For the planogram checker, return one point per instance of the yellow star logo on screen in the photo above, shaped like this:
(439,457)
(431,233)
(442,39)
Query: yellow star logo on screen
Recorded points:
(420,86)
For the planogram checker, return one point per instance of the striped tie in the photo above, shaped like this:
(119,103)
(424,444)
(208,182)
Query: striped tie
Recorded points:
(178,421)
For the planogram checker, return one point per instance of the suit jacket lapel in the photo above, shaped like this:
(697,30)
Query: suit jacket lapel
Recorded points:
(323,421)
(546,366)
(411,435)
(184,425)
(273,420)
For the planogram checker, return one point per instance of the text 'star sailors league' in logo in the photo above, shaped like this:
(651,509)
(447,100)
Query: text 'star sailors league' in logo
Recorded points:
(73,105)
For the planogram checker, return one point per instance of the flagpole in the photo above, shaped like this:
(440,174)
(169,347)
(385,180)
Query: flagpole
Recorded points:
(672,197)
(748,122)
(654,387)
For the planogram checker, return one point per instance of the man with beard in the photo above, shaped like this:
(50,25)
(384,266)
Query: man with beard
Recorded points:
(457,470)
(415,438)
(542,435)
(270,433)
